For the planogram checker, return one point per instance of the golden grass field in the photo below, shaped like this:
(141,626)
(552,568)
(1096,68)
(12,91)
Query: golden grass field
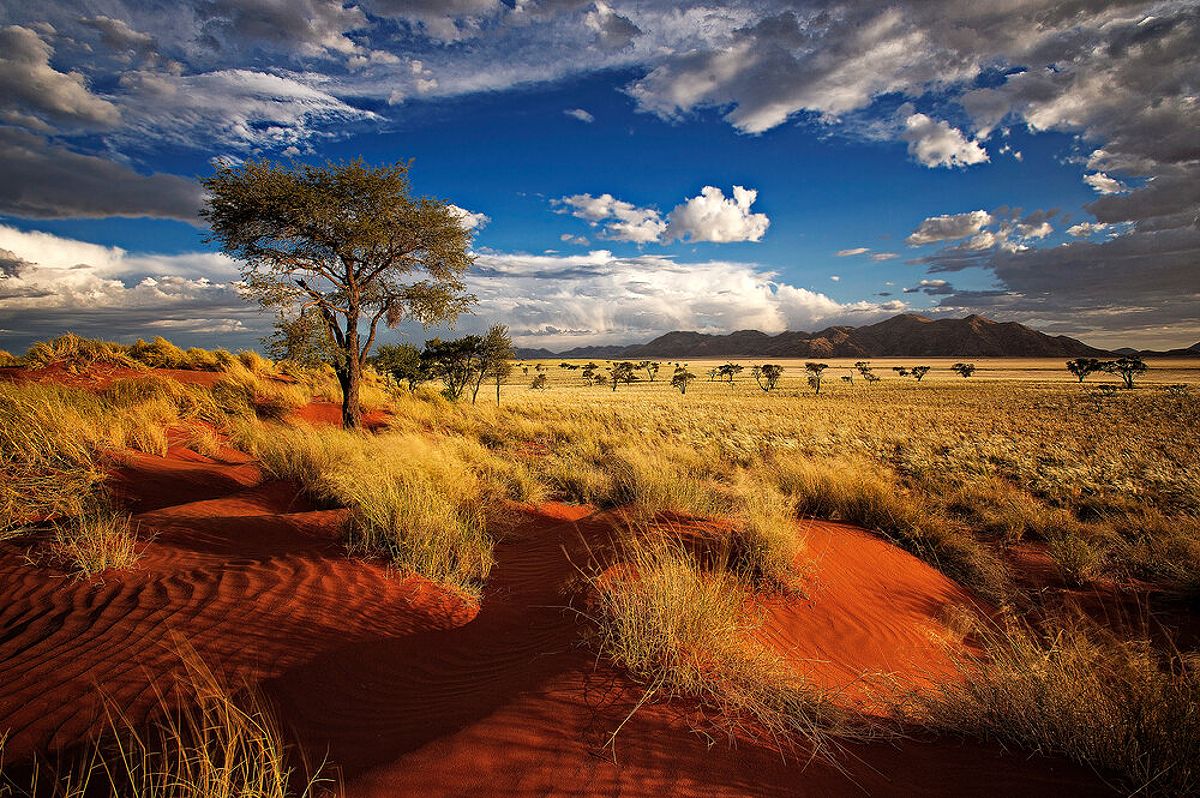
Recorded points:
(1069,508)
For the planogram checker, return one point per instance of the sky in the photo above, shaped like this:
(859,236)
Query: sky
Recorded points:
(627,168)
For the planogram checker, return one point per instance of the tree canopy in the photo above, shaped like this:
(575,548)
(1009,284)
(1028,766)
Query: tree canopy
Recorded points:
(337,249)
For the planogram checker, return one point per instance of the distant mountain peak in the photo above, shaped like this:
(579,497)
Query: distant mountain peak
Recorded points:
(904,335)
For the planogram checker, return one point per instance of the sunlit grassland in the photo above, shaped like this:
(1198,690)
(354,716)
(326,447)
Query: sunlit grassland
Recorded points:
(950,468)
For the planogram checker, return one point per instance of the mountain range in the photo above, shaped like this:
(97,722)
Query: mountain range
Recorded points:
(905,335)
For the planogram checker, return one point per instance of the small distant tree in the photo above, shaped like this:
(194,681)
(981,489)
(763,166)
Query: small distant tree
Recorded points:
(589,374)
(767,376)
(538,384)
(848,378)
(729,371)
(871,377)
(863,367)
(401,363)
(919,372)
(492,359)
(964,369)
(901,370)
(1127,368)
(453,362)
(344,246)
(600,379)
(1081,367)
(650,367)
(816,372)
(712,374)
(622,371)
(681,379)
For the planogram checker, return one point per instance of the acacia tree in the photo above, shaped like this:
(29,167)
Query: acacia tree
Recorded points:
(402,363)
(729,371)
(650,367)
(1081,367)
(964,369)
(621,372)
(815,372)
(919,372)
(681,379)
(767,376)
(344,246)
(1126,368)
(492,356)
(455,363)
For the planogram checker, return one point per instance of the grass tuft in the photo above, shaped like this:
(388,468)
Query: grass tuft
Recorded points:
(1076,689)
(97,542)
(683,633)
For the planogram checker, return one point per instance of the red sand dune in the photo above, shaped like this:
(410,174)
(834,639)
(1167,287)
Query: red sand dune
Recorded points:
(411,690)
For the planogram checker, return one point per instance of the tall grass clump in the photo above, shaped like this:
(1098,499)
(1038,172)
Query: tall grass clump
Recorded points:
(1075,689)
(8,359)
(410,500)
(98,541)
(77,354)
(53,439)
(661,478)
(685,634)
(47,452)
(247,393)
(860,492)
(767,546)
(208,741)
(160,353)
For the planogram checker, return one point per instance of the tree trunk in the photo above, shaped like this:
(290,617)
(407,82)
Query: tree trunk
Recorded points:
(350,378)
(497,390)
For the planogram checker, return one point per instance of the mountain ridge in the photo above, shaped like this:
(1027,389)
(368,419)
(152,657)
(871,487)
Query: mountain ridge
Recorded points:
(904,335)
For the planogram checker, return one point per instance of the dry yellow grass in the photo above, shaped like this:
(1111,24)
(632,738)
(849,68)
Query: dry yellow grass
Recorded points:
(209,741)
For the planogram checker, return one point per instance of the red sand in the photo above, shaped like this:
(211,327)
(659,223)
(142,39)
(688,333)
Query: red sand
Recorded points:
(411,690)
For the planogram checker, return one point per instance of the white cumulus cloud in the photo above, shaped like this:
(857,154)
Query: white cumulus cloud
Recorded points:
(935,143)
(1103,184)
(712,216)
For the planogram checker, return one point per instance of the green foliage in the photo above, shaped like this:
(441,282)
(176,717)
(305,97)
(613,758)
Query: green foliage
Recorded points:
(964,370)
(402,363)
(345,245)
(816,372)
(767,376)
(453,362)
(681,379)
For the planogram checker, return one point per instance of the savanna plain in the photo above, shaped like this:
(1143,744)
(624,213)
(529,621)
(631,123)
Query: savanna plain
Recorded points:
(952,586)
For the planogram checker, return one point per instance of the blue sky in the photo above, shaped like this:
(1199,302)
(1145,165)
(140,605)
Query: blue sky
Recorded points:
(628,168)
